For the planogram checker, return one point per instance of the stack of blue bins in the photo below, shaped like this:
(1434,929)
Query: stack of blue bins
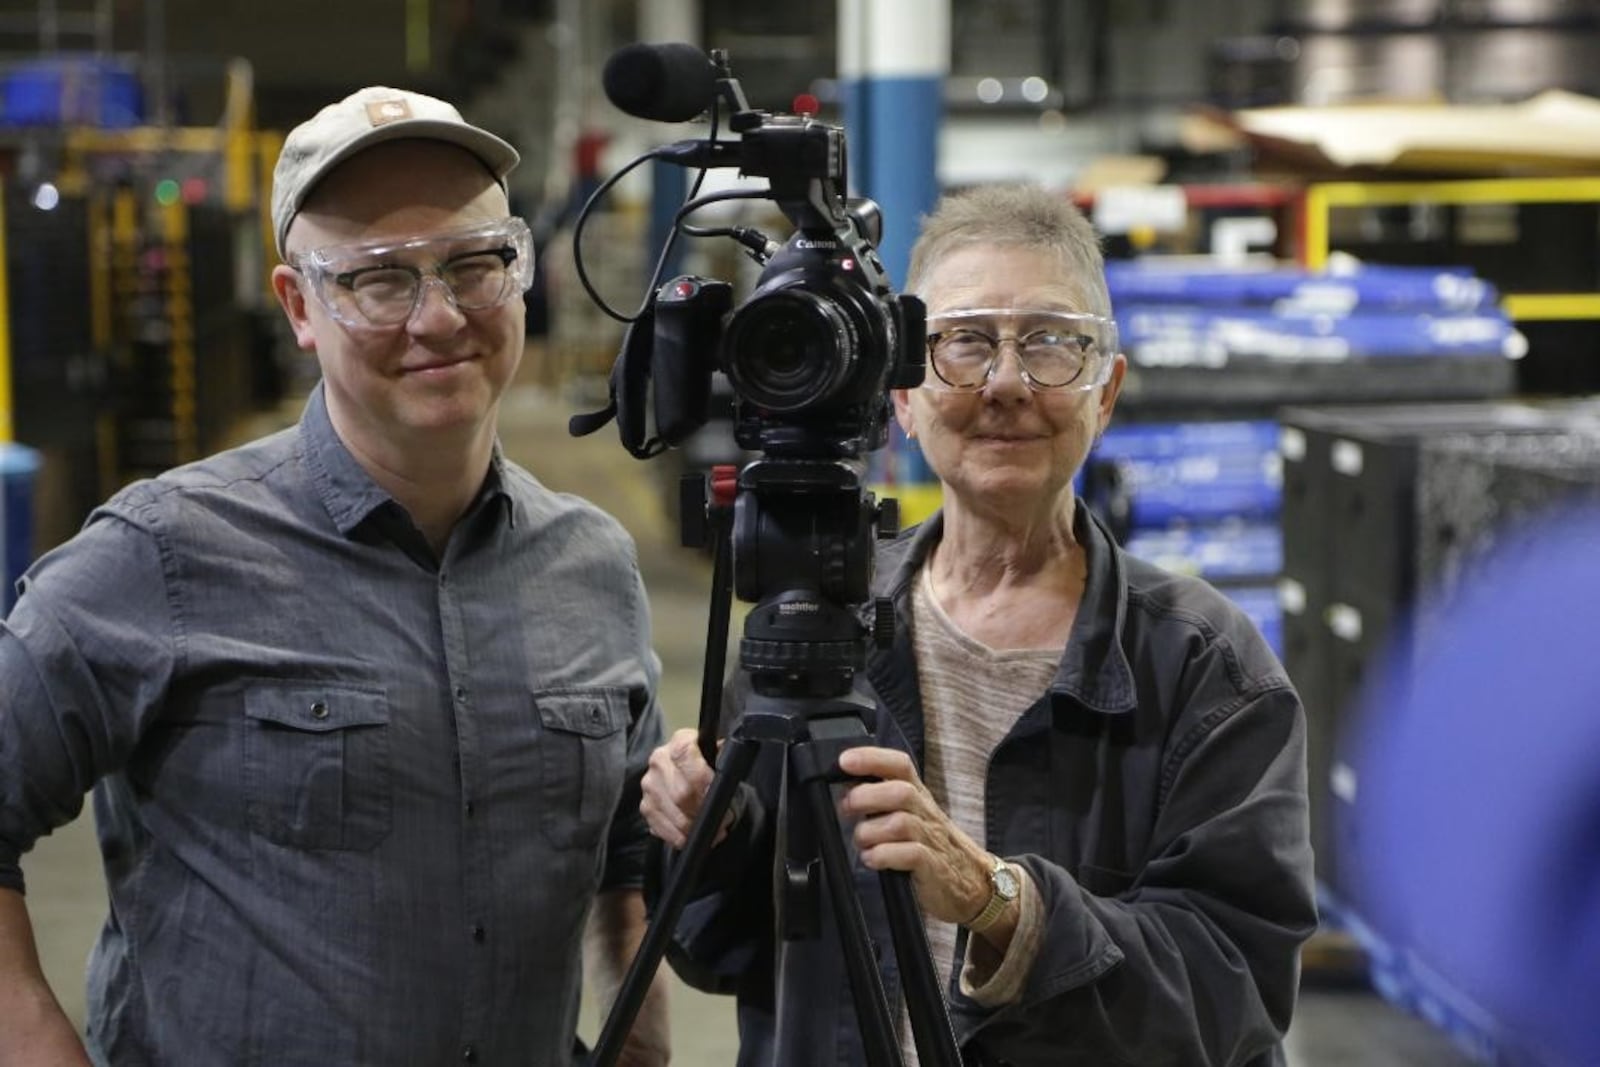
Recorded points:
(1201,498)
(1202,494)
(1211,316)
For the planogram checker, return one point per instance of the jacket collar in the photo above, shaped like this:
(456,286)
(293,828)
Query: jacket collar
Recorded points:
(1094,672)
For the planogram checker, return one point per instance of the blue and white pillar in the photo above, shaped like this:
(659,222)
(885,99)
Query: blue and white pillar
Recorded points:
(663,22)
(893,58)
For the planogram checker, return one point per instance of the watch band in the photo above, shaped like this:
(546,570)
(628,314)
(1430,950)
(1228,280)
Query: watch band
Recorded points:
(1005,885)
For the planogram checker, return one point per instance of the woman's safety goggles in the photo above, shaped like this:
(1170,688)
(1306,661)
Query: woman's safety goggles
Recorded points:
(380,283)
(1055,349)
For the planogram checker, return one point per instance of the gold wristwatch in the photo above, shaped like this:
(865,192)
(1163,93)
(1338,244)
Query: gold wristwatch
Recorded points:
(1005,885)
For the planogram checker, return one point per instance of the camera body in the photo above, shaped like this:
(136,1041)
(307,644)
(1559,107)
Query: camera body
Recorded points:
(811,353)
(814,349)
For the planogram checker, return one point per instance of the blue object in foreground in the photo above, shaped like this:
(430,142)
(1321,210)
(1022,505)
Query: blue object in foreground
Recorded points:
(1475,804)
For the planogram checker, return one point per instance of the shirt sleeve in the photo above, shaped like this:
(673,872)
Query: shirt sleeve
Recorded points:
(628,843)
(1000,984)
(86,657)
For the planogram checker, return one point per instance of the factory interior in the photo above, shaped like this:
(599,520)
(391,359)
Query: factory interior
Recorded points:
(1353,254)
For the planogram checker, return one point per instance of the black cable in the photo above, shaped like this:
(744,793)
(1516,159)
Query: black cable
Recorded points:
(577,236)
(760,247)
(691,206)
(672,235)
(667,245)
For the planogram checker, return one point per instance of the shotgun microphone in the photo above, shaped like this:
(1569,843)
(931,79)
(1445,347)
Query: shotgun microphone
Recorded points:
(661,82)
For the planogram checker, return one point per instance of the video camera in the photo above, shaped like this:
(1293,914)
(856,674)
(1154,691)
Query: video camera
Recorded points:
(811,354)
(814,349)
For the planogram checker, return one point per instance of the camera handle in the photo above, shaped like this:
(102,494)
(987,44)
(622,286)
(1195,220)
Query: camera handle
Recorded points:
(814,732)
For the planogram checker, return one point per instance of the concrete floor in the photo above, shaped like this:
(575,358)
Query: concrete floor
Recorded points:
(67,900)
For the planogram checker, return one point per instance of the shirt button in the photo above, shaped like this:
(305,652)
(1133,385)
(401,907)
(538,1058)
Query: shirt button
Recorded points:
(594,712)
(471,807)
(461,694)
(469,1054)
(319,710)
(478,933)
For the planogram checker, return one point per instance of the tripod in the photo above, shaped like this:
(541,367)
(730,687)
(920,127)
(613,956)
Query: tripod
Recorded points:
(801,653)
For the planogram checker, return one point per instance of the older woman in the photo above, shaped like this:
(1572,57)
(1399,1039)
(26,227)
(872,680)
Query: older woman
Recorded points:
(1093,770)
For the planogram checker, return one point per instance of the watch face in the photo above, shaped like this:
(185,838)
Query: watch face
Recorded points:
(1006,884)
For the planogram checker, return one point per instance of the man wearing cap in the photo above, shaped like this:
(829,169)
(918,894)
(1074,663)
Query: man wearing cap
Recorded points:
(362,705)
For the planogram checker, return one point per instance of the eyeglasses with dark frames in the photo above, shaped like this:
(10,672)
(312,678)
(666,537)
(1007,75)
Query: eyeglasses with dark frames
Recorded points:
(1055,350)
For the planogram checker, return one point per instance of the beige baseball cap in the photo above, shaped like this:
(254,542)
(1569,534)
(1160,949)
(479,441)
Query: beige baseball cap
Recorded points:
(364,118)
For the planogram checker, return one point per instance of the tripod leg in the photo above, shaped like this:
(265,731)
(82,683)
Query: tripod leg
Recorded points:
(930,1021)
(738,756)
(719,523)
(866,983)
(814,763)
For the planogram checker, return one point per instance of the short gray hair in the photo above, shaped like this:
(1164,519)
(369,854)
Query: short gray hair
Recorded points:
(1016,215)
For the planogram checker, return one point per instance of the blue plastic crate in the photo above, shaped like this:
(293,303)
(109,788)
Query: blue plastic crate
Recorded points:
(1226,551)
(1195,471)
(1167,334)
(1260,602)
(1452,290)
(19,468)
(81,91)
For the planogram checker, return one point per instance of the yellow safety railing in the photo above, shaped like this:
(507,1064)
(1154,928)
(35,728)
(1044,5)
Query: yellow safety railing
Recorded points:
(1322,198)
(181,324)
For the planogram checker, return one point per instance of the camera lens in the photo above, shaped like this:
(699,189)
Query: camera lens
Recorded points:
(789,349)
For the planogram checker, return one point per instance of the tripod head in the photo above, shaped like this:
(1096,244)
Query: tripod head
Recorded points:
(802,551)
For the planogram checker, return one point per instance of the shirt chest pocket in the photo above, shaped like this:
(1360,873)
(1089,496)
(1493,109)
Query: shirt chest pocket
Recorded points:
(316,766)
(583,751)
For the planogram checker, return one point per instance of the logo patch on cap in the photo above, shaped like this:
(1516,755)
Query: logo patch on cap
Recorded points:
(383,112)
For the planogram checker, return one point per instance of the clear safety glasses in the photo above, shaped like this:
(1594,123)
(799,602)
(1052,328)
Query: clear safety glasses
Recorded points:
(380,283)
(1055,349)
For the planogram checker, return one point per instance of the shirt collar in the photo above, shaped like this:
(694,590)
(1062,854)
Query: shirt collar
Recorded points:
(496,486)
(1095,671)
(348,491)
